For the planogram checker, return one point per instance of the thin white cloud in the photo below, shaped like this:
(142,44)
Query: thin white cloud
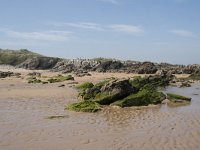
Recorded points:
(39,36)
(87,25)
(110,1)
(130,29)
(83,25)
(183,33)
(123,28)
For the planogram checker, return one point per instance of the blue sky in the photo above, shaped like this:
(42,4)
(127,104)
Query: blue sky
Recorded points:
(144,30)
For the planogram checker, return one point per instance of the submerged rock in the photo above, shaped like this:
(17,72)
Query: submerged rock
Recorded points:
(177,98)
(185,84)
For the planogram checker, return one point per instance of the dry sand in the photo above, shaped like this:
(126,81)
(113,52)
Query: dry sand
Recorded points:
(25,108)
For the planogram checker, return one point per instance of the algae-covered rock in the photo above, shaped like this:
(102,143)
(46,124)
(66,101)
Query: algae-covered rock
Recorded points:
(60,78)
(84,106)
(177,98)
(108,92)
(142,98)
(124,93)
(34,80)
(90,93)
(85,85)
(154,81)
(113,91)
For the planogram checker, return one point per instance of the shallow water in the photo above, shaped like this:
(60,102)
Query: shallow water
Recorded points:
(24,124)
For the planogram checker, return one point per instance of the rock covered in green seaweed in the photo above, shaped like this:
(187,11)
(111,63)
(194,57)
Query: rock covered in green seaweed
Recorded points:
(85,86)
(84,106)
(177,98)
(142,98)
(122,92)
(60,78)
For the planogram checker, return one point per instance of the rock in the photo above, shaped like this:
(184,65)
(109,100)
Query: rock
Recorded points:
(37,74)
(165,101)
(160,72)
(73,82)
(109,92)
(62,85)
(60,78)
(177,98)
(147,68)
(84,106)
(84,86)
(142,98)
(82,73)
(6,74)
(185,84)
(30,60)
(109,65)
(126,93)
(39,63)
(45,82)
(118,85)
(34,80)
(17,75)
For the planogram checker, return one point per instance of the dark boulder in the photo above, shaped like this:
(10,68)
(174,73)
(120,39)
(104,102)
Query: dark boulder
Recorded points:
(147,68)
(109,65)
(6,74)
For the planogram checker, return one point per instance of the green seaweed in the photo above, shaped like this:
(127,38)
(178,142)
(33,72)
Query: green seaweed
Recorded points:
(84,106)
(85,85)
(138,92)
(60,78)
(142,98)
(177,98)
(106,98)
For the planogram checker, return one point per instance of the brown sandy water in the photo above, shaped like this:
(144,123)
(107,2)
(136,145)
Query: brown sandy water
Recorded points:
(24,123)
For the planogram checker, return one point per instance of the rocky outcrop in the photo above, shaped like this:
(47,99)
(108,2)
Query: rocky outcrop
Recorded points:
(109,66)
(124,93)
(39,63)
(146,68)
(30,60)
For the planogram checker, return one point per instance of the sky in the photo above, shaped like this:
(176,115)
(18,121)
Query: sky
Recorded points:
(142,30)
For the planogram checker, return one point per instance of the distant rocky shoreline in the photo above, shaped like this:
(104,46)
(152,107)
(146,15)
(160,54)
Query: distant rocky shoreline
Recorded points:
(29,60)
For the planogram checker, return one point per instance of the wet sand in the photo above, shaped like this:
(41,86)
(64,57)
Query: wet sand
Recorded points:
(24,122)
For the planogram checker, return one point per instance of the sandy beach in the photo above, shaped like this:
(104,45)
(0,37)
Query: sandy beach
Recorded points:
(27,119)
